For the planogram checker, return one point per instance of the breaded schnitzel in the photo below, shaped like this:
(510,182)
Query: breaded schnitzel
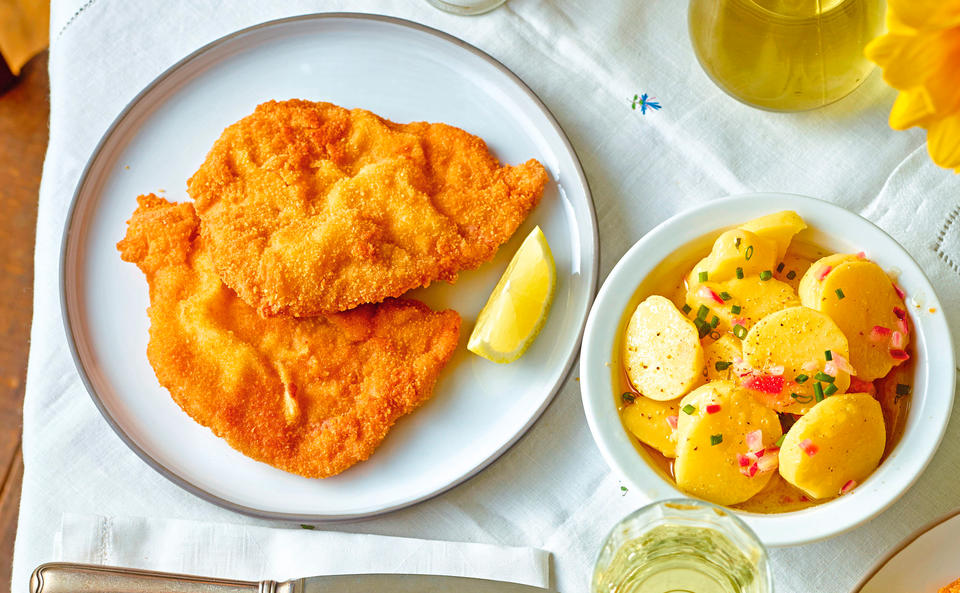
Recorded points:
(310,208)
(309,396)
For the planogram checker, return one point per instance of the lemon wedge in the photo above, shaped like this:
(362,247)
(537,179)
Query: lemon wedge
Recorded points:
(519,305)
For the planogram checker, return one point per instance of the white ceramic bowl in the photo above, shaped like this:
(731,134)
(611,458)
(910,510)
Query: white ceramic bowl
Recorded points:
(831,227)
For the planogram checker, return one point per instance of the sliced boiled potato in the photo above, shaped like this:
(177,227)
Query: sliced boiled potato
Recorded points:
(708,443)
(779,226)
(734,249)
(648,420)
(794,267)
(810,283)
(868,301)
(724,350)
(745,300)
(841,439)
(795,340)
(662,352)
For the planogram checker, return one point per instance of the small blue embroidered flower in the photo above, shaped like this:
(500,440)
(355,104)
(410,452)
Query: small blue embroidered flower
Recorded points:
(644,102)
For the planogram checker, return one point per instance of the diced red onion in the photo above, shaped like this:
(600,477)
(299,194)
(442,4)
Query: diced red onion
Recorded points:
(897,354)
(754,440)
(900,313)
(899,290)
(896,340)
(672,421)
(713,408)
(823,273)
(879,333)
(707,293)
(807,446)
(850,485)
(768,463)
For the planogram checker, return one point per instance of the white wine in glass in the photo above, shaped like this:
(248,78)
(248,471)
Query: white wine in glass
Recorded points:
(785,55)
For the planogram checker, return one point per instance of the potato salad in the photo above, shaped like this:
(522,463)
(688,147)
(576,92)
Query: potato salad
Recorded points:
(773,375)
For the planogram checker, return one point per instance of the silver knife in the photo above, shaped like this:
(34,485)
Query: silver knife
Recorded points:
(65,577)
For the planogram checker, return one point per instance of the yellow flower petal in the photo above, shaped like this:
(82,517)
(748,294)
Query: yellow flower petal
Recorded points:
(943,141)
(895,25)
(911,60)
(943,88)
(886,48)
(912,108)
(926,14)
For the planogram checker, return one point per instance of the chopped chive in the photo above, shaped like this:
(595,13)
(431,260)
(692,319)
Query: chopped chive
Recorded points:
(716,439)
(821,376)
(702,312)
(688,409)
(779,442)
(703,276)
(828,354)
(735,309)
(628,397)
(840,294)
(739,273)
(305,526)
(739,331)
(779,267)
(737,243)
(725,296)
(722,365)
(703,328)
(802,398)
(903,389)
(766,275)
(686,308)
(818,391)
(801,378)
(714,322)
(791,275)
(749,252)
(830,390)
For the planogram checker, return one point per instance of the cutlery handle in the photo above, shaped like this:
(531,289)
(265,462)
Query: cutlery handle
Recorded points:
(65,577)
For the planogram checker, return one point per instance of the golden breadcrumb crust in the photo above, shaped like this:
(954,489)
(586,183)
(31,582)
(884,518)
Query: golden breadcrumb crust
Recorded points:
(309,396)
(310,208)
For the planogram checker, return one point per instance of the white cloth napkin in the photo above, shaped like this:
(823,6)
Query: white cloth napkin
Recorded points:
(252,553)
(586,60)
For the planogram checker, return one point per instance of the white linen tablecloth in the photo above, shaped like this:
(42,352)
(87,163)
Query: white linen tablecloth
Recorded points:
(253,552)
(585,59)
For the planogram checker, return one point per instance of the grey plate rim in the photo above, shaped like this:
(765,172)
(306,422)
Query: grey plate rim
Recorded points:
(317,518)
(903,545)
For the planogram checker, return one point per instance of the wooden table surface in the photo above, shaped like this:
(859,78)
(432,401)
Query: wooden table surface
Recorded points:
(24,116)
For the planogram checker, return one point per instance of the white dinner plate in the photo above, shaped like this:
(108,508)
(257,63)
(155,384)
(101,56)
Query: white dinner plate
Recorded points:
(405,72)
(923,563)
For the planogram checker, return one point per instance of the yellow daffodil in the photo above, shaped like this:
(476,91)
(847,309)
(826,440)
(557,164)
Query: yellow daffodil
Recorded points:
(920,57)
